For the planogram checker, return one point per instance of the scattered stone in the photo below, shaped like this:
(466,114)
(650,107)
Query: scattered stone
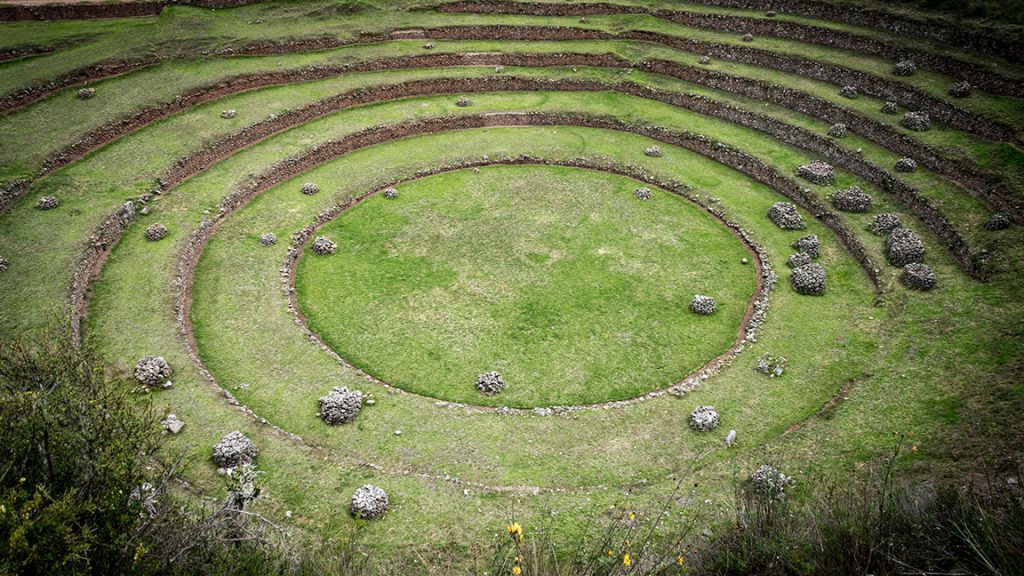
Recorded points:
(428,46)
(818,172)
(809,244)
(905,165)
(309,188)
(808,280)
(704,60)
(838,130)
(916,121)
(583,20)
(997,221)
(323,246)
(340,405)
(884,224)
(499,69)
(769,482)
(86,93)
(463,102)
(748,38)
(642,193)
(961,89)
(918,276)
(890,107)
(153,372)
(490,383)
(852,199)
(369,502)
(268,239)
(848,92)
(391,193)
(3,264)
(156,232)
(172,424)
(786,216)
(903,247)
(47,203)
(770,14)
(653,152)
(798,259)
(744,261)
(730,439)
(703,305)
(234,450)
(905,68)
(704,418)
(228,114)
(771,366)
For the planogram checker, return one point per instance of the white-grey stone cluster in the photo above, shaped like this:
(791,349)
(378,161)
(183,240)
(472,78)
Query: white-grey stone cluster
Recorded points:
(268,239)
(818,172)
(642,193)
(463,102)
(748,38)
(428,46)
(3,264)
(704,60)
(153,372)
(703,305)
(905,68)
(769,482)
(848,92)
(323,246)
(905,165)
(499,69)
(228,114)
(808,280)
(172,424)
(369,502)
(809,244)
(771,366)
(340,405)
(490,383)
(852,199)
(918,276)
(889,107)
(86,93)
(156,232)
(391,193)
(786,216)
(798,259)
(916,121)
(653,151)
(47,203)
(997,221)
(961,89)
(310,188)
(704,418)
(884,224)
(234,450)
(838,130)
(903,246)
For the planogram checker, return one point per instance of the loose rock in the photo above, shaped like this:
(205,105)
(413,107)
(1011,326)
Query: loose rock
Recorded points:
(704,60)
(653,152)
(490,383)
(961,90)
(838,130)
(918,276)
(889,107)
(323,246)
(310,188)
(771,366)
(3,264)
(172,424)
(642,193)
(997,221)
(905,68)
(704,418)
(228,114)
(369,502)
(786,216)
(903,247)
(462,102)
(268,239)
(86,93)
(808,280)
(391,193)
(748,38)
(848,92)
(234,450)
(852,199)
(340,405)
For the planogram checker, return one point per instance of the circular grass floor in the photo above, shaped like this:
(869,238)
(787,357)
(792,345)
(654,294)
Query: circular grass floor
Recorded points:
(558,278)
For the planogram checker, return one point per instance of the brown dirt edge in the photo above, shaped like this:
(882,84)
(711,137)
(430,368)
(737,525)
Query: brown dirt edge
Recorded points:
(827,410)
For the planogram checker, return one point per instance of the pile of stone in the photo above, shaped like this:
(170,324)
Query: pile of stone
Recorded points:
(153,372)
(86,93)
(809,244)
(156,232)
(889,107)
(490,383)
(642,193)
(428,46)
(916,121)
(3,264)
(848,92)
(808,280)
(748,38)
(369,502)
(340,405)
(961,89)
(234,450)
(172,424)
(499,69)
(769,482)
(703,305)
(918,276)
(818,172)
(798,259)
(310,188)
(47,203)
(884,224)
(786,216)
(905,165)
(704,60)
(704,418)
(771,366)
(228,114)
(903,247)
(905,68)
(268,239)
(323,246)
(391,193)
(463,102)
(838,130)
(997,221)
(653,151)
(852,199)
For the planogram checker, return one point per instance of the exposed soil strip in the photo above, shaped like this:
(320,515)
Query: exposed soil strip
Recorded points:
(827,410)
(17,52)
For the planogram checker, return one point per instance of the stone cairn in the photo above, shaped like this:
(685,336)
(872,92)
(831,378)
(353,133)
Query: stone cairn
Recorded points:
(838,130)
(852,199)
(653,151)
(809,244)
(918,276)
(642,193)
(156,232)
(808,280)
(391,193)
(905,165)
(153,372)
(705,60)
(905,68)
(463,102)
(309,188)
(884,224)
(889,107)
(961,89)
(703,305)
(340,405)
(369,502)
(490,383)
(428,46)
(234,450)
(997,221)
(770,483)
(86,93)
(818,172)
(916,121)
(323,246)
(798,259)
(47,203)
(268,239)
(786,216)
(704,418)
(903,247)
(228,114)
(848,92)
(3,264)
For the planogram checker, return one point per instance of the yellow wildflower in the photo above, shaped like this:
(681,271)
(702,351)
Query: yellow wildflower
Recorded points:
(515,531)
(611,553)
(626,560)
(679,560)
(632,516)
(914,448)
(517,570)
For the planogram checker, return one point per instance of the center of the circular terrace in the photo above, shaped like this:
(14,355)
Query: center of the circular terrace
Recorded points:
(558,278)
